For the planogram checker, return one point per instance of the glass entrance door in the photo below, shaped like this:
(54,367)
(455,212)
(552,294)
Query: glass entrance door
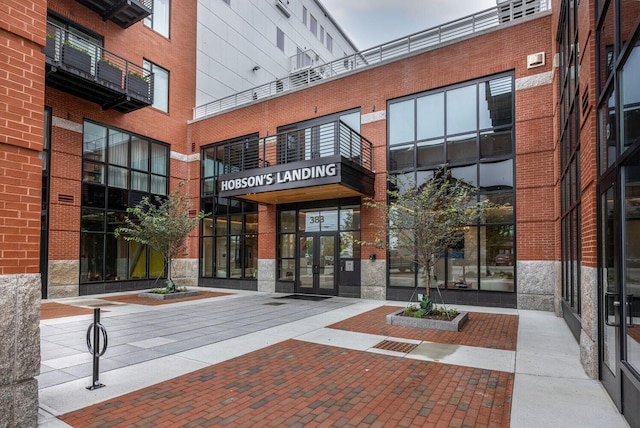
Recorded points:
(609,295)
(316,263)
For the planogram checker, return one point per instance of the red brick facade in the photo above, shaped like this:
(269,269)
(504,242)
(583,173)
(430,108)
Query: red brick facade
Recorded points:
(21,133)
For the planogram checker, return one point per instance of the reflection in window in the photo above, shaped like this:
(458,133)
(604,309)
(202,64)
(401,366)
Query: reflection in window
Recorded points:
(119,169)
(159,18)
(475,131)
(631,99)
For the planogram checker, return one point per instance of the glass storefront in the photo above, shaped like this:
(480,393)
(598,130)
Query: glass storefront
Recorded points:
(470,128)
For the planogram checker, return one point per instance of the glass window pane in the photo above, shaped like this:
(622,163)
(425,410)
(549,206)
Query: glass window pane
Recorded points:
(235,223)
(118,177)
(235,251)
(430,153)
(158,159)
(160,88)
(221,226)
(401,122)
(221,257)
(91,257)
(137,260)
(207,227)
(350,218)
(139,181)
(463,262)
(251,256)
(504,211)
(497,258)
(348,246)
(93,196)
(92,220)
(286,268)
(288,245)
(158,185)
(461,110)
(139,154)
(631,99)
(496,175)
(115,219)
(206,258)
(495,101)
(157,265)
(462,148)
(352,120)
(401,158)
(495,144)
(251,223)
(430,116)
(118,148)
(93,172)
(94,142)
(607,137)
(466,173)
(115,258)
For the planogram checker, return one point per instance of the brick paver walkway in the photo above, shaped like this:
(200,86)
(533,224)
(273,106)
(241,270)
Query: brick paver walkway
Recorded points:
(495,331)
(59,310)
(298,384)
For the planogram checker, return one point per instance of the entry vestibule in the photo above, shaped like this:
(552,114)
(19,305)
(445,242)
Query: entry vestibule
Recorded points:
(317,248)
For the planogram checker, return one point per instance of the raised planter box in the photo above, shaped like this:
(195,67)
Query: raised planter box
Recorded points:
(50,48)
(137,86)
(109,73)
(453,325)
(172,296)
(76,59)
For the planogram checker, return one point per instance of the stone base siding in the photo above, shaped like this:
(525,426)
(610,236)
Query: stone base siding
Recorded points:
(536,285)
(64,278)
(19,349)
(267,275)
(374,279)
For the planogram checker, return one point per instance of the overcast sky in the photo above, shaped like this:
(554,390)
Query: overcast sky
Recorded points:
(373,22)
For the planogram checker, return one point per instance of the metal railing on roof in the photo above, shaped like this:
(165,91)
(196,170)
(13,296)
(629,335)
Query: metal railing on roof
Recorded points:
(501,14)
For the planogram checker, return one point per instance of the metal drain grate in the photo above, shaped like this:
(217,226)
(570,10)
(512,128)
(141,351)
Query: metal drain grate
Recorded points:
(391,345)
(274,303)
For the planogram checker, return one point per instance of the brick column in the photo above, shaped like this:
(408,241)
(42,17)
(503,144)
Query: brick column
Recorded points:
(22,35)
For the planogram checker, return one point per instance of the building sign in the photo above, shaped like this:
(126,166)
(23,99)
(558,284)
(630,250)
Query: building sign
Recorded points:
(279,177)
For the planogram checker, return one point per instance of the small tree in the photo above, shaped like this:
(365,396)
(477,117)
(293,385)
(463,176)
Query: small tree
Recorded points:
(424,221)
(164,226)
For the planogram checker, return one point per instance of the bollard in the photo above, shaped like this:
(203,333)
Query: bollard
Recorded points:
(95,349)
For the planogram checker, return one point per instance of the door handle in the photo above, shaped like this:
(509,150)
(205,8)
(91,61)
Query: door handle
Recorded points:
(616,303)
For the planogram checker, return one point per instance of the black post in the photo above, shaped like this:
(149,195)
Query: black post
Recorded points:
(95,349)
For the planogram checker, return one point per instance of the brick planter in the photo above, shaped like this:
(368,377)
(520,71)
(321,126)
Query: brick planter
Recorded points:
(453,325)
(172,296)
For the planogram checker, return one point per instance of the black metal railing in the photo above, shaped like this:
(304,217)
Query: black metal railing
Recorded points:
(329,139)
(90,61)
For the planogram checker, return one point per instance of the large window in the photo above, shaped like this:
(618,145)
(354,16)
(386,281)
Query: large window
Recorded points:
(570,192)
(118,170)
(160,17)
(468,127)
(160,85)
(229,239)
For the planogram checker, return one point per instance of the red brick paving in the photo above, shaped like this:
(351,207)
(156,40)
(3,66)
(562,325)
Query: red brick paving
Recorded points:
(484,330)
(148,301)
(295,384)
(51,310)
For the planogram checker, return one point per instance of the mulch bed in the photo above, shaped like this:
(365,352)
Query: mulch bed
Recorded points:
(136,300)
(495,331)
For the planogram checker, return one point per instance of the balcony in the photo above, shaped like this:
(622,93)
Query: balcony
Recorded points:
(322,162)
(122,12)
(86,70)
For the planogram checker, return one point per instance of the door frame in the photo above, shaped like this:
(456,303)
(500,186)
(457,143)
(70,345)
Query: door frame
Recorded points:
(611,377)
(316,264)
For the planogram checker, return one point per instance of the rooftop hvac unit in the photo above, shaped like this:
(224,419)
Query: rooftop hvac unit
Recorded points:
(535,60)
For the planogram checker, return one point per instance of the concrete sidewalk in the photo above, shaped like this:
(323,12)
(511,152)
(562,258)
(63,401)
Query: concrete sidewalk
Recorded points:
(150,345)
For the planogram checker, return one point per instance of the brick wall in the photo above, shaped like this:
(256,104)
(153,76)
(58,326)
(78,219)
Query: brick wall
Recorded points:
(21,134)
(494,52)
